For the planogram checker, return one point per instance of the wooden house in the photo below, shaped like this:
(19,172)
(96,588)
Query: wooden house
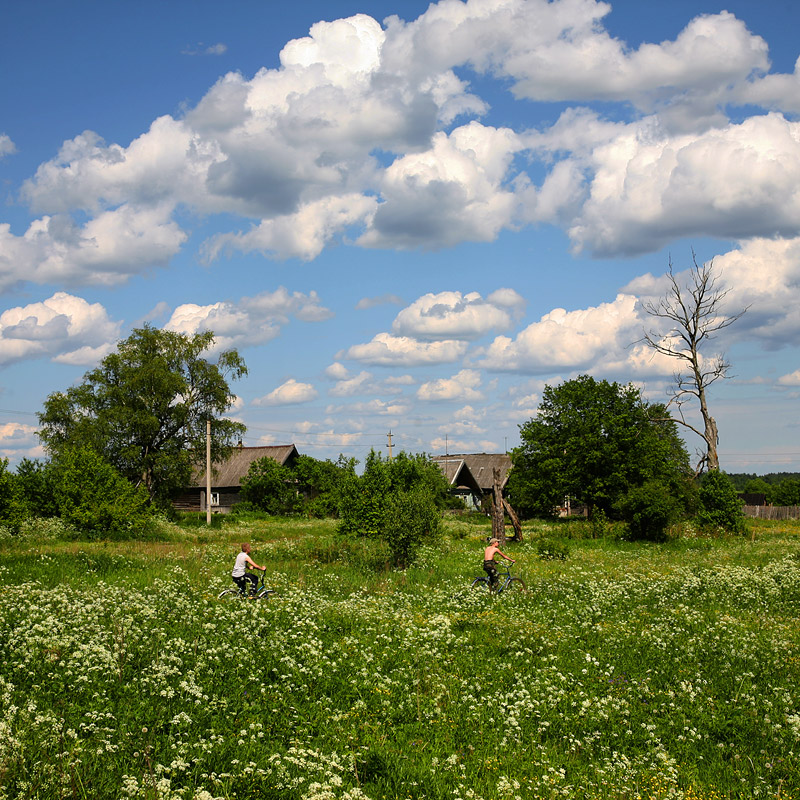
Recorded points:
(472,473)
(226,478)
(461,481)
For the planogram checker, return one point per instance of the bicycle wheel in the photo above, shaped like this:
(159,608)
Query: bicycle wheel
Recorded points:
(515,585)
(482,584)
(265,594)
(229,593)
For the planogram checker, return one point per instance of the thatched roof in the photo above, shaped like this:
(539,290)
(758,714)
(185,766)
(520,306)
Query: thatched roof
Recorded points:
(231,472)
(481,466)
(457,472)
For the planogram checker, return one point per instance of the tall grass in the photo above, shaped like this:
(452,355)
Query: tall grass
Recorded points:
(625,671)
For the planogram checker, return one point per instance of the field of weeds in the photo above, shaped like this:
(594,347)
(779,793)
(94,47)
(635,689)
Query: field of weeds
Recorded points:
(625,671)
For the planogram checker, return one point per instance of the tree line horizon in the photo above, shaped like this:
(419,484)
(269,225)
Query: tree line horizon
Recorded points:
(137,424)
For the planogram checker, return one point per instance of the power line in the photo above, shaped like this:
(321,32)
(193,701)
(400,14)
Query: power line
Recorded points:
(12,411)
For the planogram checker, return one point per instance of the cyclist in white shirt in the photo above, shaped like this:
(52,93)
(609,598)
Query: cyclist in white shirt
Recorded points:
(240,575)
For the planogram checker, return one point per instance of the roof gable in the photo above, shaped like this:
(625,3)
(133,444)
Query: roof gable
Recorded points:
(456,472)
(482,464)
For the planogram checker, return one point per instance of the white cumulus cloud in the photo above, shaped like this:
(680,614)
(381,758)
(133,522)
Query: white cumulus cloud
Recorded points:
(63,328)
(451,315)
(250,321)
(567,339)
(7,147)
(464,386)
(388,350)
(291,392)
(369,136)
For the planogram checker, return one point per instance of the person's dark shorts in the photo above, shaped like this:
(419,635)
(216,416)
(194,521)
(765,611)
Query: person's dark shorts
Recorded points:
(243,580)
(490,568)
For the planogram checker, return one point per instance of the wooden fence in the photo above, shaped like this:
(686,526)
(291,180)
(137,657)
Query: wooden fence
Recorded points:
(772,512)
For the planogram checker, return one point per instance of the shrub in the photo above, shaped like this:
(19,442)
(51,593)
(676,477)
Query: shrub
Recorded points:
(601,527)
(550,550)
(35,480)
(411,518)
(94,498)
(649,511)
(399,501)
(719,505)
(269,486)
(12,504)
(42,529)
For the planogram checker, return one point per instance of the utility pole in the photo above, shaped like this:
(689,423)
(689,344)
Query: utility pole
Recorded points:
(390,444)
(208,472)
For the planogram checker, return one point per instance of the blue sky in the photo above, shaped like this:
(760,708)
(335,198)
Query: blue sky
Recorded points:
(406,217)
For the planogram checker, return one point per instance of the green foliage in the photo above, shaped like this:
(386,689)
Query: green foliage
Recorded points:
(144,409)
(412,518)
(198,519)
(741,479)
(13,508)
(780,488)
(599,523)
(649,510)
(35,480)
(309,487)
(786,493)
(319,482)
(96,500)
(594,441)
(398,501)
(552,549)
(759,486)
(719,506)
(269,487)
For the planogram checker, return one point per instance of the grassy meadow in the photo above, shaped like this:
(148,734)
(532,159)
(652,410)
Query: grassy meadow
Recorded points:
(625,671)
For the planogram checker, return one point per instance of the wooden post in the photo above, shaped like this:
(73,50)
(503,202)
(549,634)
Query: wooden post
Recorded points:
(498,517)
(208,472)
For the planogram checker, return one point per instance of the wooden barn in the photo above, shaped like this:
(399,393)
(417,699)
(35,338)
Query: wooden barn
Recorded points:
(226,478)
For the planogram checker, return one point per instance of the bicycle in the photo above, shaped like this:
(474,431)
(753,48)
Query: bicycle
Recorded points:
(504,581)
(261,592)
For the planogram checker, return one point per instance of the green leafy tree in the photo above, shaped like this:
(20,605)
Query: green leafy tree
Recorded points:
(786,493)
(95,499)
(318,483)
(35,480)
(759,486)
(309,486)
(594,441)
(144,409)
(649,510)
(398,501)
(719,505)
(270,487)
(13,509)
(412,518)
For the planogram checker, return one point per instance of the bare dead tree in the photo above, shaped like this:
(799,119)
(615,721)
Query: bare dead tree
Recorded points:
(517,525)
(695,311)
